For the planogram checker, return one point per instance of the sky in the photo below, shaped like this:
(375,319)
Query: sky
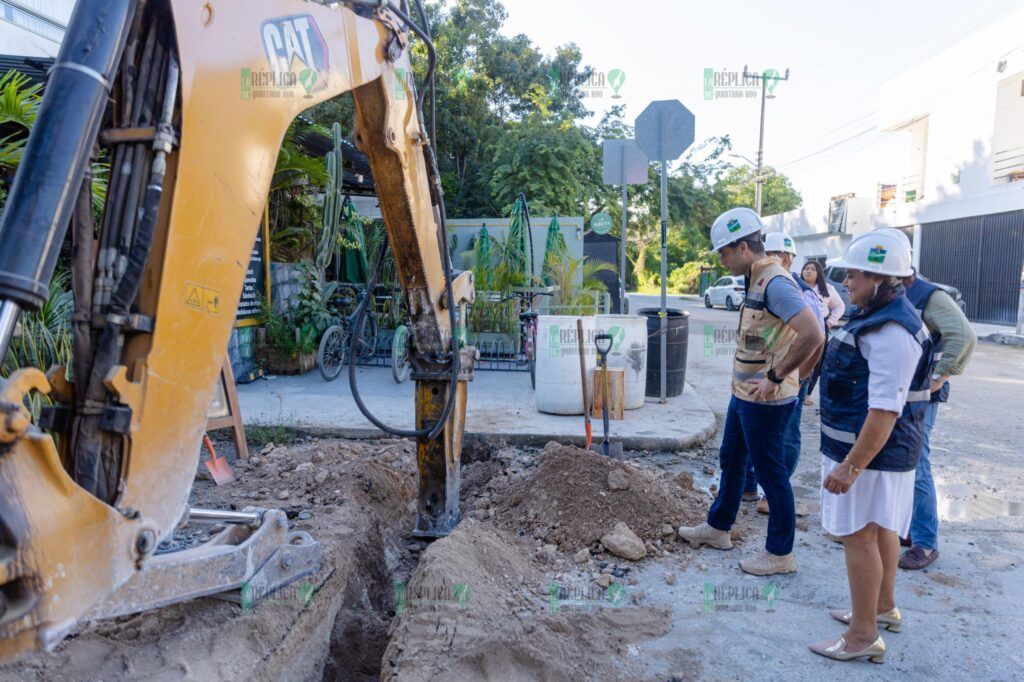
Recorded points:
(839,52)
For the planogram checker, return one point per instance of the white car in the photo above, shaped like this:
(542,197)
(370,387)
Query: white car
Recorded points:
(727,291)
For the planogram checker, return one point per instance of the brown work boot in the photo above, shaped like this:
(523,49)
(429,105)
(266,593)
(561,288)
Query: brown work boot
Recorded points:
(706,535)
(916,558)
(766,563)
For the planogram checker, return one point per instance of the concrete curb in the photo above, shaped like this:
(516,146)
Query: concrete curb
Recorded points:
(699,416)
(1005,339)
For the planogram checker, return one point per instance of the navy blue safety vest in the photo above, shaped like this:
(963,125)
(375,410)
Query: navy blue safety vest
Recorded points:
(844,391)
(919,294)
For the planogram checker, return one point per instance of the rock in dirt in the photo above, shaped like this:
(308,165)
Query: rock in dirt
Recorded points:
(304,466)
(708,469)
(684,480)
(604,580)
(667,530)
(284,494)
(670,578)
(582,556)
(318,457)
(623,542)
(269,447)
(617,480)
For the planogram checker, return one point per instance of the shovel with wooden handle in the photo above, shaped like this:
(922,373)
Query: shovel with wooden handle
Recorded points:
(607,448)
(583,377)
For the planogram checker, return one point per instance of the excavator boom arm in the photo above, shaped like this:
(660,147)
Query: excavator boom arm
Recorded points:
(203,94)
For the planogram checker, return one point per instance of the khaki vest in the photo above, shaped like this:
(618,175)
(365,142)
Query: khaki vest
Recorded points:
(763,339)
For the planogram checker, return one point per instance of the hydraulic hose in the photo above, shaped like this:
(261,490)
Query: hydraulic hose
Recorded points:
(437,195)
(46,186)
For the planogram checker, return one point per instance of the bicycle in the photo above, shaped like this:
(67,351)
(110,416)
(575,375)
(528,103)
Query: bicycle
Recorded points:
(528,327)
(333,352)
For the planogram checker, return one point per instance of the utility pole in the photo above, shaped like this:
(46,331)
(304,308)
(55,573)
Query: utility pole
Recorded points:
(759,178)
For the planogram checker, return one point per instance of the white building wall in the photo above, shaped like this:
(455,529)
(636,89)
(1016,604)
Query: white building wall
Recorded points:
(940,123)
(33,28)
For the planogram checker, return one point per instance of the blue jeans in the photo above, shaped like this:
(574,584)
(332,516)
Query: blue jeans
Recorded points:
(756,431)
(790,442)
(924,525)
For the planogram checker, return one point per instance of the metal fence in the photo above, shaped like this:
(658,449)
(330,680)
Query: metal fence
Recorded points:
(982,256)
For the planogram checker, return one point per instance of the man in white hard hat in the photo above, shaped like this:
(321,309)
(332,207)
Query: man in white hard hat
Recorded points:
(781,246)
(953,342)
(778,342)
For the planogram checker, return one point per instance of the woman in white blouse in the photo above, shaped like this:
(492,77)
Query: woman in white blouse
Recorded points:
(874,394)
(814,275)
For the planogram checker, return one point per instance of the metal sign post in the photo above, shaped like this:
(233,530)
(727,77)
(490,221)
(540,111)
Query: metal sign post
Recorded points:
(624,164)
(664,131)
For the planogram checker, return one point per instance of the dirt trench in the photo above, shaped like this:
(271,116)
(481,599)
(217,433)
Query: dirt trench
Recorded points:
(507,596)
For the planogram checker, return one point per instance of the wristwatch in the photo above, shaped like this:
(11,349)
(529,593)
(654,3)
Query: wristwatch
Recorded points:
(773,377)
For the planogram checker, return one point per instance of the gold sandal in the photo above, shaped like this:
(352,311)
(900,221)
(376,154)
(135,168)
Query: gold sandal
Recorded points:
(892,620)
(836,650)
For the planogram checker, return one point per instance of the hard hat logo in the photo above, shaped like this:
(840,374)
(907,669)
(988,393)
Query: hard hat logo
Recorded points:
(877,254)
(734,225)
(788,242)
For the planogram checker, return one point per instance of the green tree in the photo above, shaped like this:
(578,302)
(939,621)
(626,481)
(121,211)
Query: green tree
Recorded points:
(777,195)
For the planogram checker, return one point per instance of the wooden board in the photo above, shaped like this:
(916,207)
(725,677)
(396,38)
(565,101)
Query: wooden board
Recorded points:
(224,412)
(617,391)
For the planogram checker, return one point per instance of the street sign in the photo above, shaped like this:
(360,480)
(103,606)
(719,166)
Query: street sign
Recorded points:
(624,163)
(601,223)
(665,130)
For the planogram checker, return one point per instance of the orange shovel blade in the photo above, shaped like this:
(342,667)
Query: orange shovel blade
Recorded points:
(217,466)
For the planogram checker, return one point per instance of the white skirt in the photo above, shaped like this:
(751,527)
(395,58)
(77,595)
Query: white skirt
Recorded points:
(882,497)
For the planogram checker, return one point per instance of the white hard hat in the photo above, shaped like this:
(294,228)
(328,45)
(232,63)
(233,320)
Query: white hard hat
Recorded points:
(899,234)
(732,225)
(879,253)
(778,241)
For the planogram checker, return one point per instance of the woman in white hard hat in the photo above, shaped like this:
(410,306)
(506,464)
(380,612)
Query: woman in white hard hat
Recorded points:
(872,427)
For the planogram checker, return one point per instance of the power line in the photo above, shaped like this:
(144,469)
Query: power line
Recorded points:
(831,146)
(952,38)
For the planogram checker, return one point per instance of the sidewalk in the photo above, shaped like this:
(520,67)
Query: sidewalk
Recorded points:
(994,333)
(501,405)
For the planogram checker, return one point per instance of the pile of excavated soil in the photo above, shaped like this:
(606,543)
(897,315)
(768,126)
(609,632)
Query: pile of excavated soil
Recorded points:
(476,608)
(356,498)
(567,500)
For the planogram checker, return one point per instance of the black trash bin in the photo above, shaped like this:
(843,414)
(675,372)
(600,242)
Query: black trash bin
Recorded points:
(678,341)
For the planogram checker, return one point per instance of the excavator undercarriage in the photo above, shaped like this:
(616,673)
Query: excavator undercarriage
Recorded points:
(158,89)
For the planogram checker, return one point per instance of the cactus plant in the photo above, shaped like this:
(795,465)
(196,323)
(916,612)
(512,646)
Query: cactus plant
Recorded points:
(333,201)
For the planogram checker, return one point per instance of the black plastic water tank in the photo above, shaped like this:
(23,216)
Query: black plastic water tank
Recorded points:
(678,341)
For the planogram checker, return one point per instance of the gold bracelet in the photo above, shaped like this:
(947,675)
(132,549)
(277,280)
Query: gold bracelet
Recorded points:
(853,469)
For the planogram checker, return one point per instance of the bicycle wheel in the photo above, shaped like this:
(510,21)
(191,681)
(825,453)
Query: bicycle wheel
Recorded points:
(366,346)
(330,356)
(400,367)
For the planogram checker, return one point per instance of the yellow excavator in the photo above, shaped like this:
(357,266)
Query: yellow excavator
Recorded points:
(190,101)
